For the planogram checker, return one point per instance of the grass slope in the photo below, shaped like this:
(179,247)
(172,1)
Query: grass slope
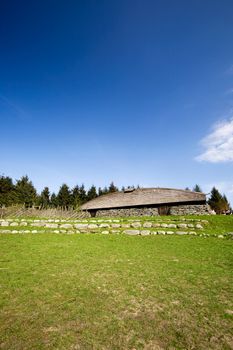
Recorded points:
(115,292)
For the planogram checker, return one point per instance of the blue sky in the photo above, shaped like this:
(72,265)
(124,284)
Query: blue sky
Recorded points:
(138,92)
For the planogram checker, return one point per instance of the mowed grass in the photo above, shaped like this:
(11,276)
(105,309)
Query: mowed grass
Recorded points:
(92,291)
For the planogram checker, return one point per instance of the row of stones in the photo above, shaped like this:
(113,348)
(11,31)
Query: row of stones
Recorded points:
(104,220)
(92,226)
(127,232)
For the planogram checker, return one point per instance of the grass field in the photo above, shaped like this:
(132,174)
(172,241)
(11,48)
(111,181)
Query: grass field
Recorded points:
(93,291)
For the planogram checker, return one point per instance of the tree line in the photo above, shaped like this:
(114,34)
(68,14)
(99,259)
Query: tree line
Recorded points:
(23,192)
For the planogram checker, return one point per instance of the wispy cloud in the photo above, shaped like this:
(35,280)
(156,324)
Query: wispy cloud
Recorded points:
(17,109)
(230,70)
(229,91)
(218,145)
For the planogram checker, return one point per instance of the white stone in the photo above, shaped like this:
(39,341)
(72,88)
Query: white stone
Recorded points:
(170,232)
(145,233)
(104,225)
(116,225)
(23,224)
(164,225)
(66,226)
(199,226)
(136,224)
(172,226)
(181,233)
(34,231)
(52,225)
(5,223)
(14,224)
(161,232)
(156,224)
(220,236)
(147,224)
(125,225)
(93,226)
(132,232)
(14,231)
(105,232)
(182,225)
(81,226)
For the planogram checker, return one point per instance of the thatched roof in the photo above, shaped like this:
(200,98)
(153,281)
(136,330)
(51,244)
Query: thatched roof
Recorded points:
(144,197)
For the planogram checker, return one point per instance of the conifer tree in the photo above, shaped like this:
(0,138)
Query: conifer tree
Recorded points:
(100,191)
(197,188)
(216,200)
(91,194)
(7,191)
(53,200)
(25,192)
(44,199)
(82,194)
(75,196)
(112,187)
(225,204)
(64,197)
(105,190)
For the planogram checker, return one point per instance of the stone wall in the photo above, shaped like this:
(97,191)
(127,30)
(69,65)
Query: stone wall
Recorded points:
(128,212)
(188,209)
(192,209)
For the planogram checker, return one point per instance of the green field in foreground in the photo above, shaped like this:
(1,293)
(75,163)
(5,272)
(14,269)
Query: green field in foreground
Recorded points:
(97,291)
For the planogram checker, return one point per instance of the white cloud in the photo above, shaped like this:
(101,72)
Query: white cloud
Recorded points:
(218,144)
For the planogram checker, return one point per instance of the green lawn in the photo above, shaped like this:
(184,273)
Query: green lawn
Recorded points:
(97,291)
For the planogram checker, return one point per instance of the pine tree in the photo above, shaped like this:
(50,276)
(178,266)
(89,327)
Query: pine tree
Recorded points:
(91,194)
(82,194)
(64,197)
(225,204)
(216,201)
(100,191)
(112,188)
(75,197)
(25,192)
(53,200)
(105,190)
(44,199)
(197,188)
(7,191)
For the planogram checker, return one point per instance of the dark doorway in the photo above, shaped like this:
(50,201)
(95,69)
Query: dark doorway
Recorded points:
(93,213)
(164,210)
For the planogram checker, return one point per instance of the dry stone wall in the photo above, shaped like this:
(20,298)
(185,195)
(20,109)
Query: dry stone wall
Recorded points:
(192,209)
(188,209)
(127,212)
